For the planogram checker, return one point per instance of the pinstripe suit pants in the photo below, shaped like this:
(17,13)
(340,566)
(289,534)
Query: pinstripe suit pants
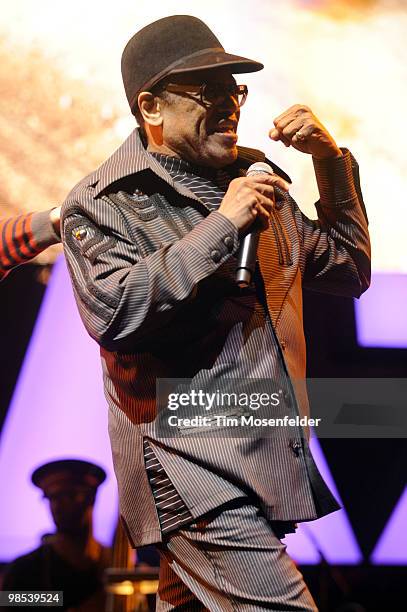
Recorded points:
(229,560)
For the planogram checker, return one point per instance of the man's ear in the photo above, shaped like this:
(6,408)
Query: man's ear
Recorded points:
(150,108)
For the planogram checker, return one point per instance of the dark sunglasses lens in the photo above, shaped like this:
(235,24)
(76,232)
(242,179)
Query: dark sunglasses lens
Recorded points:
(214,92)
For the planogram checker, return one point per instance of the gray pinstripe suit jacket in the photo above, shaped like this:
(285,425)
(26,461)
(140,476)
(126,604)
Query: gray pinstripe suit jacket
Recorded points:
(139,247)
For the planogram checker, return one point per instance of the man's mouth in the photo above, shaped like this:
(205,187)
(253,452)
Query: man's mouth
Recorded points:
(223,125)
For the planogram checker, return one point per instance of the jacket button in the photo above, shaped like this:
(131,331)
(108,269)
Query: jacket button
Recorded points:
(216,256)
(295,446)
(228,241)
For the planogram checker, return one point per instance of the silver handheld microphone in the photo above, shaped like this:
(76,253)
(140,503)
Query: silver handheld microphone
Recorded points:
(247,253)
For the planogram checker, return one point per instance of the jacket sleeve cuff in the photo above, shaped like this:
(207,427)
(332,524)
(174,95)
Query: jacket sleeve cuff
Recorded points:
(43,231)
(215,239)
(335,181)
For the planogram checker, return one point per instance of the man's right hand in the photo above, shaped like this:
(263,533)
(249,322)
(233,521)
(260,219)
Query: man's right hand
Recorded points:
(249,198)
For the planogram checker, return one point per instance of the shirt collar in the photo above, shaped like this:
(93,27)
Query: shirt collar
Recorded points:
(175,165)
(128,159)
(131,157)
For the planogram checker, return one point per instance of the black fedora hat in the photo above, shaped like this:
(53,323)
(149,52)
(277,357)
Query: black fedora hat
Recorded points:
(180,43)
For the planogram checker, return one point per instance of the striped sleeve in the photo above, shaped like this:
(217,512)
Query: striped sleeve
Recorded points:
(337,245)
(123,295)
(23,237)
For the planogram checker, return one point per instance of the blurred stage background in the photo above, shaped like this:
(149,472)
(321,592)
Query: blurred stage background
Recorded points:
(63,111)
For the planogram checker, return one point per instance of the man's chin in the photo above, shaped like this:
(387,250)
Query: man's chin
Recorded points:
(224,156)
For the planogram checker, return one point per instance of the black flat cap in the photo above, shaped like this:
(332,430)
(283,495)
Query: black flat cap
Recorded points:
(68,471)
(179,43)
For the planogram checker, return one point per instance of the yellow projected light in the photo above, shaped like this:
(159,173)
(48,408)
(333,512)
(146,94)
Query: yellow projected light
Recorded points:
(63,104)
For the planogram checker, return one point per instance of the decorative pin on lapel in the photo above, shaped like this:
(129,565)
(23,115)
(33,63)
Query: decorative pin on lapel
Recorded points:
(80,233)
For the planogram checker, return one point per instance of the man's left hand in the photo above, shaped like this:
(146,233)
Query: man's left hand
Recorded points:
(300,128)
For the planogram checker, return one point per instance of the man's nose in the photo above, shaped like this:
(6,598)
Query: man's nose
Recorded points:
(228,102)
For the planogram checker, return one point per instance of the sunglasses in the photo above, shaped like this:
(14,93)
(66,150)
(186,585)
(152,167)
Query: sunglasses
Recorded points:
(212,93)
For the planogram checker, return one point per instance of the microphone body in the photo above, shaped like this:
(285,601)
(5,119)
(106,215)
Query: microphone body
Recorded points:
(247,253)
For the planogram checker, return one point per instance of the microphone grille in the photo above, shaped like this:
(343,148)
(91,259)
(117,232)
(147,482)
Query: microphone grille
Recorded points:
(259,168)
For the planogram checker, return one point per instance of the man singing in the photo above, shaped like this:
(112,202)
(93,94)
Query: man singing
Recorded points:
(151,239)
